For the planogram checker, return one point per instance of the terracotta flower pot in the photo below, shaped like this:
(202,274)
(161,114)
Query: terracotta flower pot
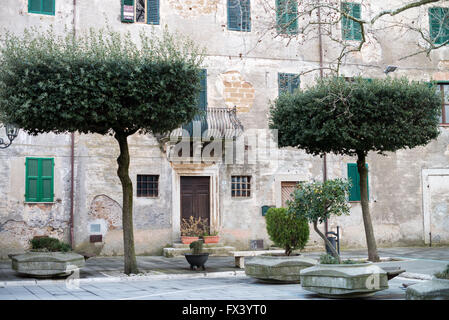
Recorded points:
(188,239)
(211,239)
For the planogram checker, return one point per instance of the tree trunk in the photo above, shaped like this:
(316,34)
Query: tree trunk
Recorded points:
(127,207)
(327,242)
(369,231)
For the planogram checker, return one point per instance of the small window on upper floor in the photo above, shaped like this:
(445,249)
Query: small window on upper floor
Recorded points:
(439,25)
(42,7)
(39,180)
(351,30)
(443,88)
(239,15)
(287,16)
(140,11)
(287,82)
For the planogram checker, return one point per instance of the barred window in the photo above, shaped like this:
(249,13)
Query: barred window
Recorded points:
(241,186)
(147,185)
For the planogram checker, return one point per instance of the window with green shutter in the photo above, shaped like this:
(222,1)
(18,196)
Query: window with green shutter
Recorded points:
(286,16)
(439,25)
(42,7)
(202,105)
(239,15)
(39,179)
(140,11)
(288,82)
(153,11)
(351,30)
(353,175)
(127,10)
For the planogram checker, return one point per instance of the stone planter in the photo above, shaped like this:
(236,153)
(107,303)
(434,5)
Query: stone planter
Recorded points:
(435,289)
(188,239)
(197,260)
(277,269)
(47,264)
(344,280)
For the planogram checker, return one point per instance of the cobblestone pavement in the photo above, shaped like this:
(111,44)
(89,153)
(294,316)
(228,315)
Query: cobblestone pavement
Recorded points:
(235,288)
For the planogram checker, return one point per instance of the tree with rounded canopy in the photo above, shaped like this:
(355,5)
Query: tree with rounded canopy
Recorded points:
(355,117)
(100,82)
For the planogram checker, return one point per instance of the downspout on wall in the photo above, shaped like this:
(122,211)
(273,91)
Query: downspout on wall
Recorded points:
(72,156)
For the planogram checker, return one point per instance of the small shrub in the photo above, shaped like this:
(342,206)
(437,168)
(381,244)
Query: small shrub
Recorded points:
(328,259)
(286,230)
(443,274)
(196,247)
(193,227)
(49,244)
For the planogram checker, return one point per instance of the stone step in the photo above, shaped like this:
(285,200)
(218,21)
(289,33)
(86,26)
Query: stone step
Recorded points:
(214,251)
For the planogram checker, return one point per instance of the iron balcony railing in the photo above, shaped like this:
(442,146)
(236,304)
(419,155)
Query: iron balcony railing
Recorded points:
(219,123)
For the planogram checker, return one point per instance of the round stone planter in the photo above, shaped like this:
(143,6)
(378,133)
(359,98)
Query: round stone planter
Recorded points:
(344,280)
(435,289)
(277,269)
(47,264)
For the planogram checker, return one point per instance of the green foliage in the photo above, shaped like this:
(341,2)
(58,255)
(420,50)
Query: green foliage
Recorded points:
(443,274)
(286,230)
(196,247)
(98,81)
(342,117)
(49,244)
(317,201)
(328,259)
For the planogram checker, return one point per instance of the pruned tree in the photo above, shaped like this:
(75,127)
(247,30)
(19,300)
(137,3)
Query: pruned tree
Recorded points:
(356,117)
(100,82)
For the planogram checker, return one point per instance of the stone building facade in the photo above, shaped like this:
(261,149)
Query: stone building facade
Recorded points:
(409,198)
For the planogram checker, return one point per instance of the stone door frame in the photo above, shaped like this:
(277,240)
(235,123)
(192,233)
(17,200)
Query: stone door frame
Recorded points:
(426,198)
(194,171)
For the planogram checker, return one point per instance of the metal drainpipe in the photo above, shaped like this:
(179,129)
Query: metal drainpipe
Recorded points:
(72,155)
(320,42)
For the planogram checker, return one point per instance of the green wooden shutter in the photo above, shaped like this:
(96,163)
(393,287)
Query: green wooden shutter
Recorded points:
(353,174)
(239,15)
(153,11)
(48,6)
(126,7)
(46,180)
(351,30)
(32,180)
(39,180)
(286,16)
(34,6)
(439,24)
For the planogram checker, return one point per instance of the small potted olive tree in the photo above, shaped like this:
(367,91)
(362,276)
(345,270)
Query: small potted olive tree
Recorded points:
(289,232)
(197,258)
(48,257)
(316,202)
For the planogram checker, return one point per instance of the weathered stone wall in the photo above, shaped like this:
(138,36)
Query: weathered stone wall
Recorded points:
(242,70)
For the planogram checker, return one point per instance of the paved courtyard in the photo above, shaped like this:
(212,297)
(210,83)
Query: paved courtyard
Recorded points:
(230,288)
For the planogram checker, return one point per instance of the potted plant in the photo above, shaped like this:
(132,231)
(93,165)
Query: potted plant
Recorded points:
(209,236)
(196,258)
(289,232)
(316,202)
(191,229)
(435,289)
(48,257)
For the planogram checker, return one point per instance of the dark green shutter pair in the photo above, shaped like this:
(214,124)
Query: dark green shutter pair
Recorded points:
(39,180)
(286,16)
(202,105)
(351,30)
(439,25)
(41,6)
(152,11)
(353,174)
(239,15)
(288,82)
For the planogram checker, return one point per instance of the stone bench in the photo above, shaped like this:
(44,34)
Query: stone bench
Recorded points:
(240,255)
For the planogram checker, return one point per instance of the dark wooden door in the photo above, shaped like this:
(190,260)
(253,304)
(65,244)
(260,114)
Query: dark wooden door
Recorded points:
(195,197)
